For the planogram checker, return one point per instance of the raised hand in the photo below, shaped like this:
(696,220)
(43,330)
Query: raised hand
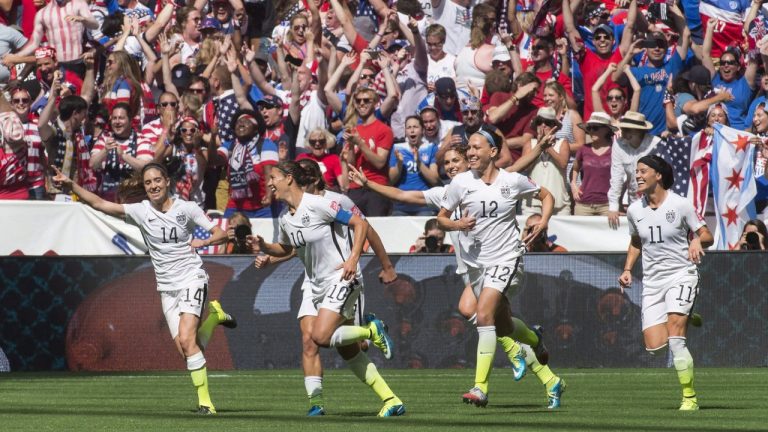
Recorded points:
(357,176)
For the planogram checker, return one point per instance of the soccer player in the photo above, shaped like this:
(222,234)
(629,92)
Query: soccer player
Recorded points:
(310,355)
(313,226)
(491,247)
(521,356)
(167,225)
(661,224)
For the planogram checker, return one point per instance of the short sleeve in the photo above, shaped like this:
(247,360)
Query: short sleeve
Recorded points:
(201,219)
(452,196)
(434,196)
(631,222)
(692,219)
(134,213)
(525,186)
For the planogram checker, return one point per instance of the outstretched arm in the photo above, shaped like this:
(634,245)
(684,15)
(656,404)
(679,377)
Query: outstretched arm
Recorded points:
(90,198)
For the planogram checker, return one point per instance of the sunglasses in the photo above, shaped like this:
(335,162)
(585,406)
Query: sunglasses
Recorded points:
(602,37)
(548,123)
(473,112)
(197,90)
(367,76)
(188,130)
(615,98)
(363,100)
(592,129)
(20,101)
(317,141)
(165,104)
(729,63)
(300,27)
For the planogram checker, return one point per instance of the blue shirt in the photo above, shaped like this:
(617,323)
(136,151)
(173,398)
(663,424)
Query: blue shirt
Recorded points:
(653,81)
(739,106)
(410,177)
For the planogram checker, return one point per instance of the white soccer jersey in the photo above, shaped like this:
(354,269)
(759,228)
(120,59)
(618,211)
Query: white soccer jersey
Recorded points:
(664,233)
(495,239)
(345,202)
(167,236)
(319,239)
(434,199)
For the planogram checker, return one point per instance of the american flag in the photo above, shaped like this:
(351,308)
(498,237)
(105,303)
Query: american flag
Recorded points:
(202,234)
(224,110)
(676,151)
(757,31)
(364,8)
(701,157)
(733,184)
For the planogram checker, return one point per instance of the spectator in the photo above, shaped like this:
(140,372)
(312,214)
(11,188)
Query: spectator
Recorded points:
(367,144)
(21,102)
(760,141)
(471,112)
(548,170)
(541,54)
(556,98)
(10,40)
(445,100)
(238,229)
(654,77)
(694,102)
(475,59)
(616,102)
(454,15)
(636,141)
(114,155)
(760,97)
(188,21)
(440,62)
(435,129)
(188,156)
(320,142)
(413,167)
(593,165)
(511,110)
(730,79)
(754,236)
(431,240)
(543,242)
(411,76)
(13,158)
(123,83)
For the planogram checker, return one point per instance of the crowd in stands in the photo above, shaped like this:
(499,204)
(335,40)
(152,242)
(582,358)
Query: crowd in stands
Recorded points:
(221,90)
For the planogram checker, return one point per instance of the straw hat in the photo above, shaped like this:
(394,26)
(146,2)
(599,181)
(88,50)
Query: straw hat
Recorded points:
(598,119)
(634,120)
(547,114)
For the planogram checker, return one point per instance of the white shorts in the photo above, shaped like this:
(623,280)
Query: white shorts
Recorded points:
(191,298)
(309,307)
(504,278)
(677,296)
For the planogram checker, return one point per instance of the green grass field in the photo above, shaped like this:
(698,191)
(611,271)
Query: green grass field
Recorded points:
(596,400)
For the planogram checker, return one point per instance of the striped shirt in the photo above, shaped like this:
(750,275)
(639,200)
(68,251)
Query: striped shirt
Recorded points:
(35,155)
(66,37)
(148,138)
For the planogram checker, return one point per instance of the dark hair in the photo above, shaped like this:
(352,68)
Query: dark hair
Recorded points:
(430,225)
(460,149)
(486,130)
(313,174)
(154,165)
(292,168)
(660,166)
(497,81)
(760,225)
(261,125)
(124,106)
(414,117)
(202,79)
(113,24)
(70,105)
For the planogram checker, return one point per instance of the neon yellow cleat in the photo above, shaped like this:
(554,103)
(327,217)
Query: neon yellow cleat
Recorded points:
(225,319)
(392,408)
(689,404)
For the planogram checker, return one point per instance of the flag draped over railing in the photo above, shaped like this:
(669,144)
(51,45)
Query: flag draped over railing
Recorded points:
(733,184)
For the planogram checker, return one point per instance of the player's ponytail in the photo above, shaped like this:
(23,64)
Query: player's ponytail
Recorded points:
(313,173)
(295,170)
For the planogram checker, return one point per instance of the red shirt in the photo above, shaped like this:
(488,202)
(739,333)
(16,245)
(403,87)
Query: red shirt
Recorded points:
(592,66)
(376,135)
(563,79)
(330,166)
(518,120)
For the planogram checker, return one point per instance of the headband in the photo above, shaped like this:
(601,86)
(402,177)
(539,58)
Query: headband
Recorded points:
(660,166)
(487,135)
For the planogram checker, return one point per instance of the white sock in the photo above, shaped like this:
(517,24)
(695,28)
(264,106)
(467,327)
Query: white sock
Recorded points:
(313,385)
(196,361)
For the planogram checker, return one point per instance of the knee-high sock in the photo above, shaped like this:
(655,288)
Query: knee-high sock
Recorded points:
(486,349)
(683,361)
(347,335)
(523,334)
(199,373)
(314,387)
(542,372)
(206,329)
(510,346)
(366,371)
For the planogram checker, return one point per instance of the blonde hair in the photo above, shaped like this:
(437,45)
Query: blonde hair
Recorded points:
(479,31)
(128,69)
(352,118)
(329,137)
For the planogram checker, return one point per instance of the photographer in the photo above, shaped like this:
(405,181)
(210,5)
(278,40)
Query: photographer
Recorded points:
(542,243)
(754,236)
(238,229)
(431,241)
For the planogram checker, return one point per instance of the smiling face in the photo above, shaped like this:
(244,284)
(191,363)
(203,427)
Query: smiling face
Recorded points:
(21,102)
(222,11)
(541,51)
(271,114)
(245,127)
(455,163)
(717,115)
(552,98)
(480,153)
(603,42)
(760,120)
(279,183)
(365,103)
(317,142)
(156,186)
(729,67)
(192,25)
(658,51)
(111,66)
(435,46)
(46,66)
(120,122)
(647,178)
(188,131)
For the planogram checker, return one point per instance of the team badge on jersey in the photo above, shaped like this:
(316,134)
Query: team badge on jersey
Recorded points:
(181,219)
(671,216)
(506,191)
(305,220)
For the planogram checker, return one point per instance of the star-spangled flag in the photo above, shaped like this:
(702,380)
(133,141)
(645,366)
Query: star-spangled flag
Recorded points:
(224,110)
(202,234)
(364,8)
(701,158)
(733,184)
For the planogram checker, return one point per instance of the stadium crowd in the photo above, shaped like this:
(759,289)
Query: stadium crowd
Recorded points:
(222,90)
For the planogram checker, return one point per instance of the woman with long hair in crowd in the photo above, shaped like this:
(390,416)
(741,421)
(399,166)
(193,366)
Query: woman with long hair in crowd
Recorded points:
(616,103)
(474,60)
(123,83)
(167,224)
(555,98)
(314,228)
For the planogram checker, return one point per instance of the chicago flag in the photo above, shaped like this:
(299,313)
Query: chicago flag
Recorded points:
(733,184)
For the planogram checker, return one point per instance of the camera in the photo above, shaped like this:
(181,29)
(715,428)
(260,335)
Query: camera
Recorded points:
(242,231)
(431,243)
(753,242)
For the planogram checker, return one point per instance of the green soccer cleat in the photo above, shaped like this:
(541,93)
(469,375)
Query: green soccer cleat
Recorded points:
(689,404)
(392,408)
(379,335)
(225,319)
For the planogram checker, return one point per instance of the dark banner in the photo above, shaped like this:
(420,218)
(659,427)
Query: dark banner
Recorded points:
(104,314)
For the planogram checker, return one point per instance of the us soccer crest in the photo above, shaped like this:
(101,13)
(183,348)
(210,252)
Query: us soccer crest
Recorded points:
(181,219)
(506,191)
(305,220)
(671,216)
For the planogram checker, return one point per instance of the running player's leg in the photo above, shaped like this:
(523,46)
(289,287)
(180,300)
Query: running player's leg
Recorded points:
(312,366)
(216,316)
(679,301)
(486,331)
(187,340)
